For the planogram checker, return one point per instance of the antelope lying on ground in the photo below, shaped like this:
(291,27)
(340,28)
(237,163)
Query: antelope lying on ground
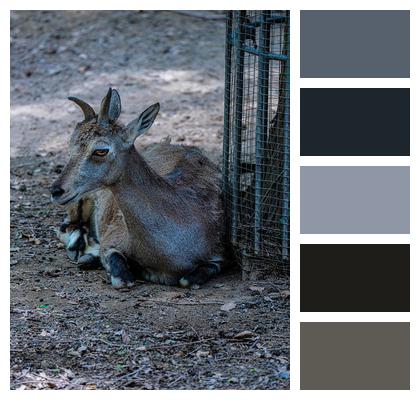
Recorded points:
(158,209)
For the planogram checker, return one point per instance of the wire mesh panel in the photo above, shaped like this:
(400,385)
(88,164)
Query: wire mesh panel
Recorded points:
(256,139)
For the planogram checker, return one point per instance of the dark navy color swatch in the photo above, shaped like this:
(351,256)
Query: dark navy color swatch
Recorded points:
(355,122)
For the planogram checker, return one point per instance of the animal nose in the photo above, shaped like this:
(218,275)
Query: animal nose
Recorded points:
(56,191)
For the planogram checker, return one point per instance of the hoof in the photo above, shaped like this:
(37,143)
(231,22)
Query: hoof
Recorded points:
(73,255)
(183,282)
(77,241)
(118,283)
(89,261)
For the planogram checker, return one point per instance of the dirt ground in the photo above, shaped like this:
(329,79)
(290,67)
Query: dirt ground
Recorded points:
(69,328)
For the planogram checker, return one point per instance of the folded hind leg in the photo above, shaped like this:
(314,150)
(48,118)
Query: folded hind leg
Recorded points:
(202,273)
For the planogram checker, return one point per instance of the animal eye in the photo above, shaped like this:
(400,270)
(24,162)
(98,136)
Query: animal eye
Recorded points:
(100,152)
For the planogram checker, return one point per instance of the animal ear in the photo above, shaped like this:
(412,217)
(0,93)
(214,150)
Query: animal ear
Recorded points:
(110,107)
(141,125)
(114,106)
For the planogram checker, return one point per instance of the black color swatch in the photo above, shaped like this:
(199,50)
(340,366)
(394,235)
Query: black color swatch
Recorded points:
(355,122)
(355,277)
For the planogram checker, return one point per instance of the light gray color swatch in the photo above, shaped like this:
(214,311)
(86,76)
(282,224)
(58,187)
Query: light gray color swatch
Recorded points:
(355,44)
(355,200)
(355,355)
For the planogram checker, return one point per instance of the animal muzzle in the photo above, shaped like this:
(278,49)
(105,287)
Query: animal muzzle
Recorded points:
(56,192)
(60,196)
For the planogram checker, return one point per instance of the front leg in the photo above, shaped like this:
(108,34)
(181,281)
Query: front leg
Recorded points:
(117,268)
(74,231)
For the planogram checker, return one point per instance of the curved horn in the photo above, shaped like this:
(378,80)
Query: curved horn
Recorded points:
(88,111)
(103,115)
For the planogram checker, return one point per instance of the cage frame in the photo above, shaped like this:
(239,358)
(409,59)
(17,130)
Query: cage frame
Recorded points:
(236,49)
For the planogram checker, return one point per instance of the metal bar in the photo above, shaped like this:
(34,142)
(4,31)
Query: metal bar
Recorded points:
(226,129)
(237,123)
(278,19)
(286,133)
(262,123)
(271,56)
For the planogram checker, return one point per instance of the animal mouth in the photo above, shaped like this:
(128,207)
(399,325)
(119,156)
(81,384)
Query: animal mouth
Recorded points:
(66,200)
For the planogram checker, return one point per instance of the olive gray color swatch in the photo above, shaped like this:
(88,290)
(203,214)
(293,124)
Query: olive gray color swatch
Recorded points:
(355,44)
(355,356)
(363,200)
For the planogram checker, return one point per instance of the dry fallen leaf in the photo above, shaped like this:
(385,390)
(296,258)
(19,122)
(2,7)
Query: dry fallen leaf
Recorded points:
(125,338)
(91,386)
(244,335)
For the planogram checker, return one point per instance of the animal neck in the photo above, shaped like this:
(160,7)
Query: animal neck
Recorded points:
(146,199)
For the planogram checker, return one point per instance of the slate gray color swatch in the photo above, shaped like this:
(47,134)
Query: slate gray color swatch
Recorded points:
(355,122)
(355,356)
(355,200)
(355,277)
(355,44)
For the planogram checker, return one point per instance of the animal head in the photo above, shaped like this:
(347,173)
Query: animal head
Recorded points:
(98,147)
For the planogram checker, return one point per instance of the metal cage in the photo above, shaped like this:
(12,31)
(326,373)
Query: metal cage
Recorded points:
(256,139)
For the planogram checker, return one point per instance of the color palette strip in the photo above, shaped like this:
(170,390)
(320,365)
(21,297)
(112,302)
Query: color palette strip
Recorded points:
(355,122)
(355,44)
(355,355)
(355,200)
(355,277)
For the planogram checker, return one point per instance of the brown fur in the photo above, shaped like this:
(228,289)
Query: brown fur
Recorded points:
(160,206)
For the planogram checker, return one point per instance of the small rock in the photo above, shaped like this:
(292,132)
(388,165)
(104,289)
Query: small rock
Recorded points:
(201,353)
(74,353)
(228,306)
(84,68)
(82,349)
(58,168)
(258,289)
(54,71)
(284,375)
